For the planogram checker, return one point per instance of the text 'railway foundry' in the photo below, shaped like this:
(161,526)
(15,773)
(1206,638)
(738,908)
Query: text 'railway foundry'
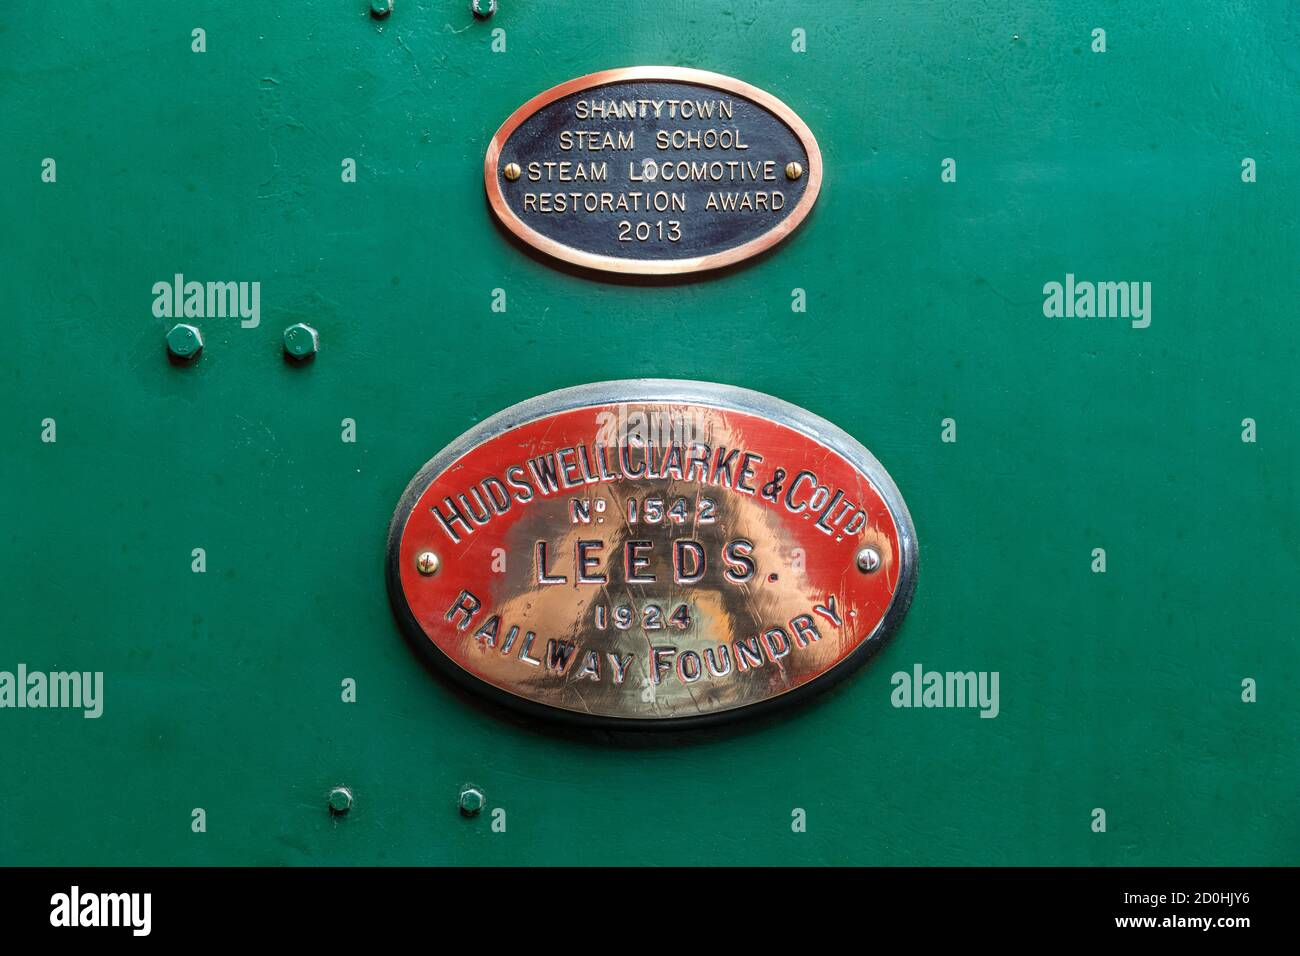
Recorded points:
(739,656)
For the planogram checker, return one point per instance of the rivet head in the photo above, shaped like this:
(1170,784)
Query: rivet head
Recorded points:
(868,560)
(427,563)
(340,800)
(512,171)
(793,170)
(483,8)
(471,800)
(184,341)
(301,341)
(381,8)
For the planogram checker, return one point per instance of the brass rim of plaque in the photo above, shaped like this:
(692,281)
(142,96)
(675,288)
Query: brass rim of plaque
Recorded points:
(716,260)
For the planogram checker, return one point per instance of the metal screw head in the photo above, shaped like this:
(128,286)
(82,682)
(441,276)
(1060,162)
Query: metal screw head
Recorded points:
(340,800)
(301,341)
(184,341)
(427,563)
(381,8)
(868,560)
(793,170)
(512,171)
(483,8)
(471,800)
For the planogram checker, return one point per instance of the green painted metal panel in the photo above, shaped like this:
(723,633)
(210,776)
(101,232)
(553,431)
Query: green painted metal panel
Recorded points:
(1120,690)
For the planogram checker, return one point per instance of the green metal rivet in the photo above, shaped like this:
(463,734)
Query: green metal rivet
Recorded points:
(184,341)
(381,8)
(301,341)
(340,800)
(483,8)
(471,800)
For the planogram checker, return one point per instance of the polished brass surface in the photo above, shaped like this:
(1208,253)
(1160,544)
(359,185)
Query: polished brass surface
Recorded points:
(698,561)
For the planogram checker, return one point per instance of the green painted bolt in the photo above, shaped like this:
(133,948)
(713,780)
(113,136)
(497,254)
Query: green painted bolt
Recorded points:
(471,800)
(483,8)
(301,341)
(340,800)
(381,8)
(184,341)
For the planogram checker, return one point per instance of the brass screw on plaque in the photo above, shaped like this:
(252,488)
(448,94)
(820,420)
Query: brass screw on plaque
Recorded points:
(868,560)
(512,171)
(793,170)
(427,563)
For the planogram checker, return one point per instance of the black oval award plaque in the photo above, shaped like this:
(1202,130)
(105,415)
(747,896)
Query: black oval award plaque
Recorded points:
(653,170)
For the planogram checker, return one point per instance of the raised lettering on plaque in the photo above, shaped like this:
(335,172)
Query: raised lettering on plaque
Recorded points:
(651,553)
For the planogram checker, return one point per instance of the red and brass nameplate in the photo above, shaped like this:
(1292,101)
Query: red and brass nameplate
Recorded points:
(651,551)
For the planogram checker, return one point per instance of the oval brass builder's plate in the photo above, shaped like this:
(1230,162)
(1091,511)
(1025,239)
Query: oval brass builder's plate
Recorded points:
(651,552)
(653,170)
